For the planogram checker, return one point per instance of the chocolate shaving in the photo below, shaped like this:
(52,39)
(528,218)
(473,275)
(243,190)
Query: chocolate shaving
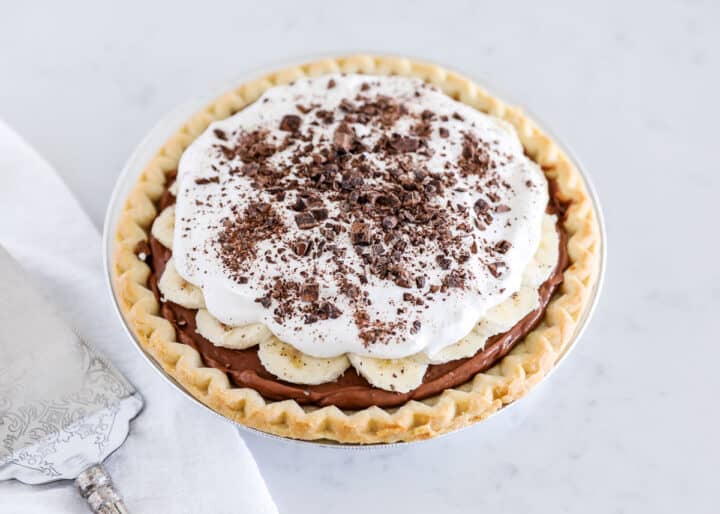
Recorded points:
(389,222)
(301,247)
(344,137)
(402,144)
(360,233)
(305,220)
(454,279)
(320,214)
(310,292)
(443,261)
(494,268)
(503,246)
(326,117)
(290,123)
(265,301)
(327,310)
(207,180)
(416,325)
(481,207)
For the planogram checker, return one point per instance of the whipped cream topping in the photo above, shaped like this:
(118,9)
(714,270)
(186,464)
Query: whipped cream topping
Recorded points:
(352,214)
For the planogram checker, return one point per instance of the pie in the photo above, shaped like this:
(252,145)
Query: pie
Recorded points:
(362,249)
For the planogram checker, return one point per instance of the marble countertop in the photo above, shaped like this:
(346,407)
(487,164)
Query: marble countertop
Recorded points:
(629,422)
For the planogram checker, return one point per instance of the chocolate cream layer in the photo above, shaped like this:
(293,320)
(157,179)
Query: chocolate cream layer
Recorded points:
(350,391)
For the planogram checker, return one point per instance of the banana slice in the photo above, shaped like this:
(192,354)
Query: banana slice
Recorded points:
(237,338)
(173,189)
(163,227)
(546,257)
(178,290)
(505,315)
(399,375)
(466,347)
(287,363)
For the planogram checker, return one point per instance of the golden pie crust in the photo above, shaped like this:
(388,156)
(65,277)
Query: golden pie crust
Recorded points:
(454,408)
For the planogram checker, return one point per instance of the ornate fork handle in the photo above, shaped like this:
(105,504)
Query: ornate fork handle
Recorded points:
(96,487)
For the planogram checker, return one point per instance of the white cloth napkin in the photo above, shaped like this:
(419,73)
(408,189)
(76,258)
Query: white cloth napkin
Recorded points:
(178,458)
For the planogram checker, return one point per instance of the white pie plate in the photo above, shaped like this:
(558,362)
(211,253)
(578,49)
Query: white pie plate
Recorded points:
(169,124)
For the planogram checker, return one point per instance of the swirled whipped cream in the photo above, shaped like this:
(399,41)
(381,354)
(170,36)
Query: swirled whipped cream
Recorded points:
(357,214)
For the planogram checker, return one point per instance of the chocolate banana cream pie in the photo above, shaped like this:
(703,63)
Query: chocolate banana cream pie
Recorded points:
(360,249)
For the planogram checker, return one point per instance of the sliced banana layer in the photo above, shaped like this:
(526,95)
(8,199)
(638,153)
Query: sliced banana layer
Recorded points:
(178,290)
(173,188)
(504,316)
(287,363)
(546,257)
(237,338)
(399,375)
(466,347)
(163,227)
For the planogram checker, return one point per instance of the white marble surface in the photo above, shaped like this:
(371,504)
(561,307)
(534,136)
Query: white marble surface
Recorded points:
(630,422)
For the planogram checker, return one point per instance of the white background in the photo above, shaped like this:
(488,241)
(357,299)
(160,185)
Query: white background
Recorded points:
(629,423)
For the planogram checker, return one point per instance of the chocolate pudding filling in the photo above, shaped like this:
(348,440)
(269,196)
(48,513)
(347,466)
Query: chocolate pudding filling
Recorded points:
(350,391)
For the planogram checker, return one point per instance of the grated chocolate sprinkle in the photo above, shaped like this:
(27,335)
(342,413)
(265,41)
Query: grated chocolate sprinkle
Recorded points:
(356,180)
